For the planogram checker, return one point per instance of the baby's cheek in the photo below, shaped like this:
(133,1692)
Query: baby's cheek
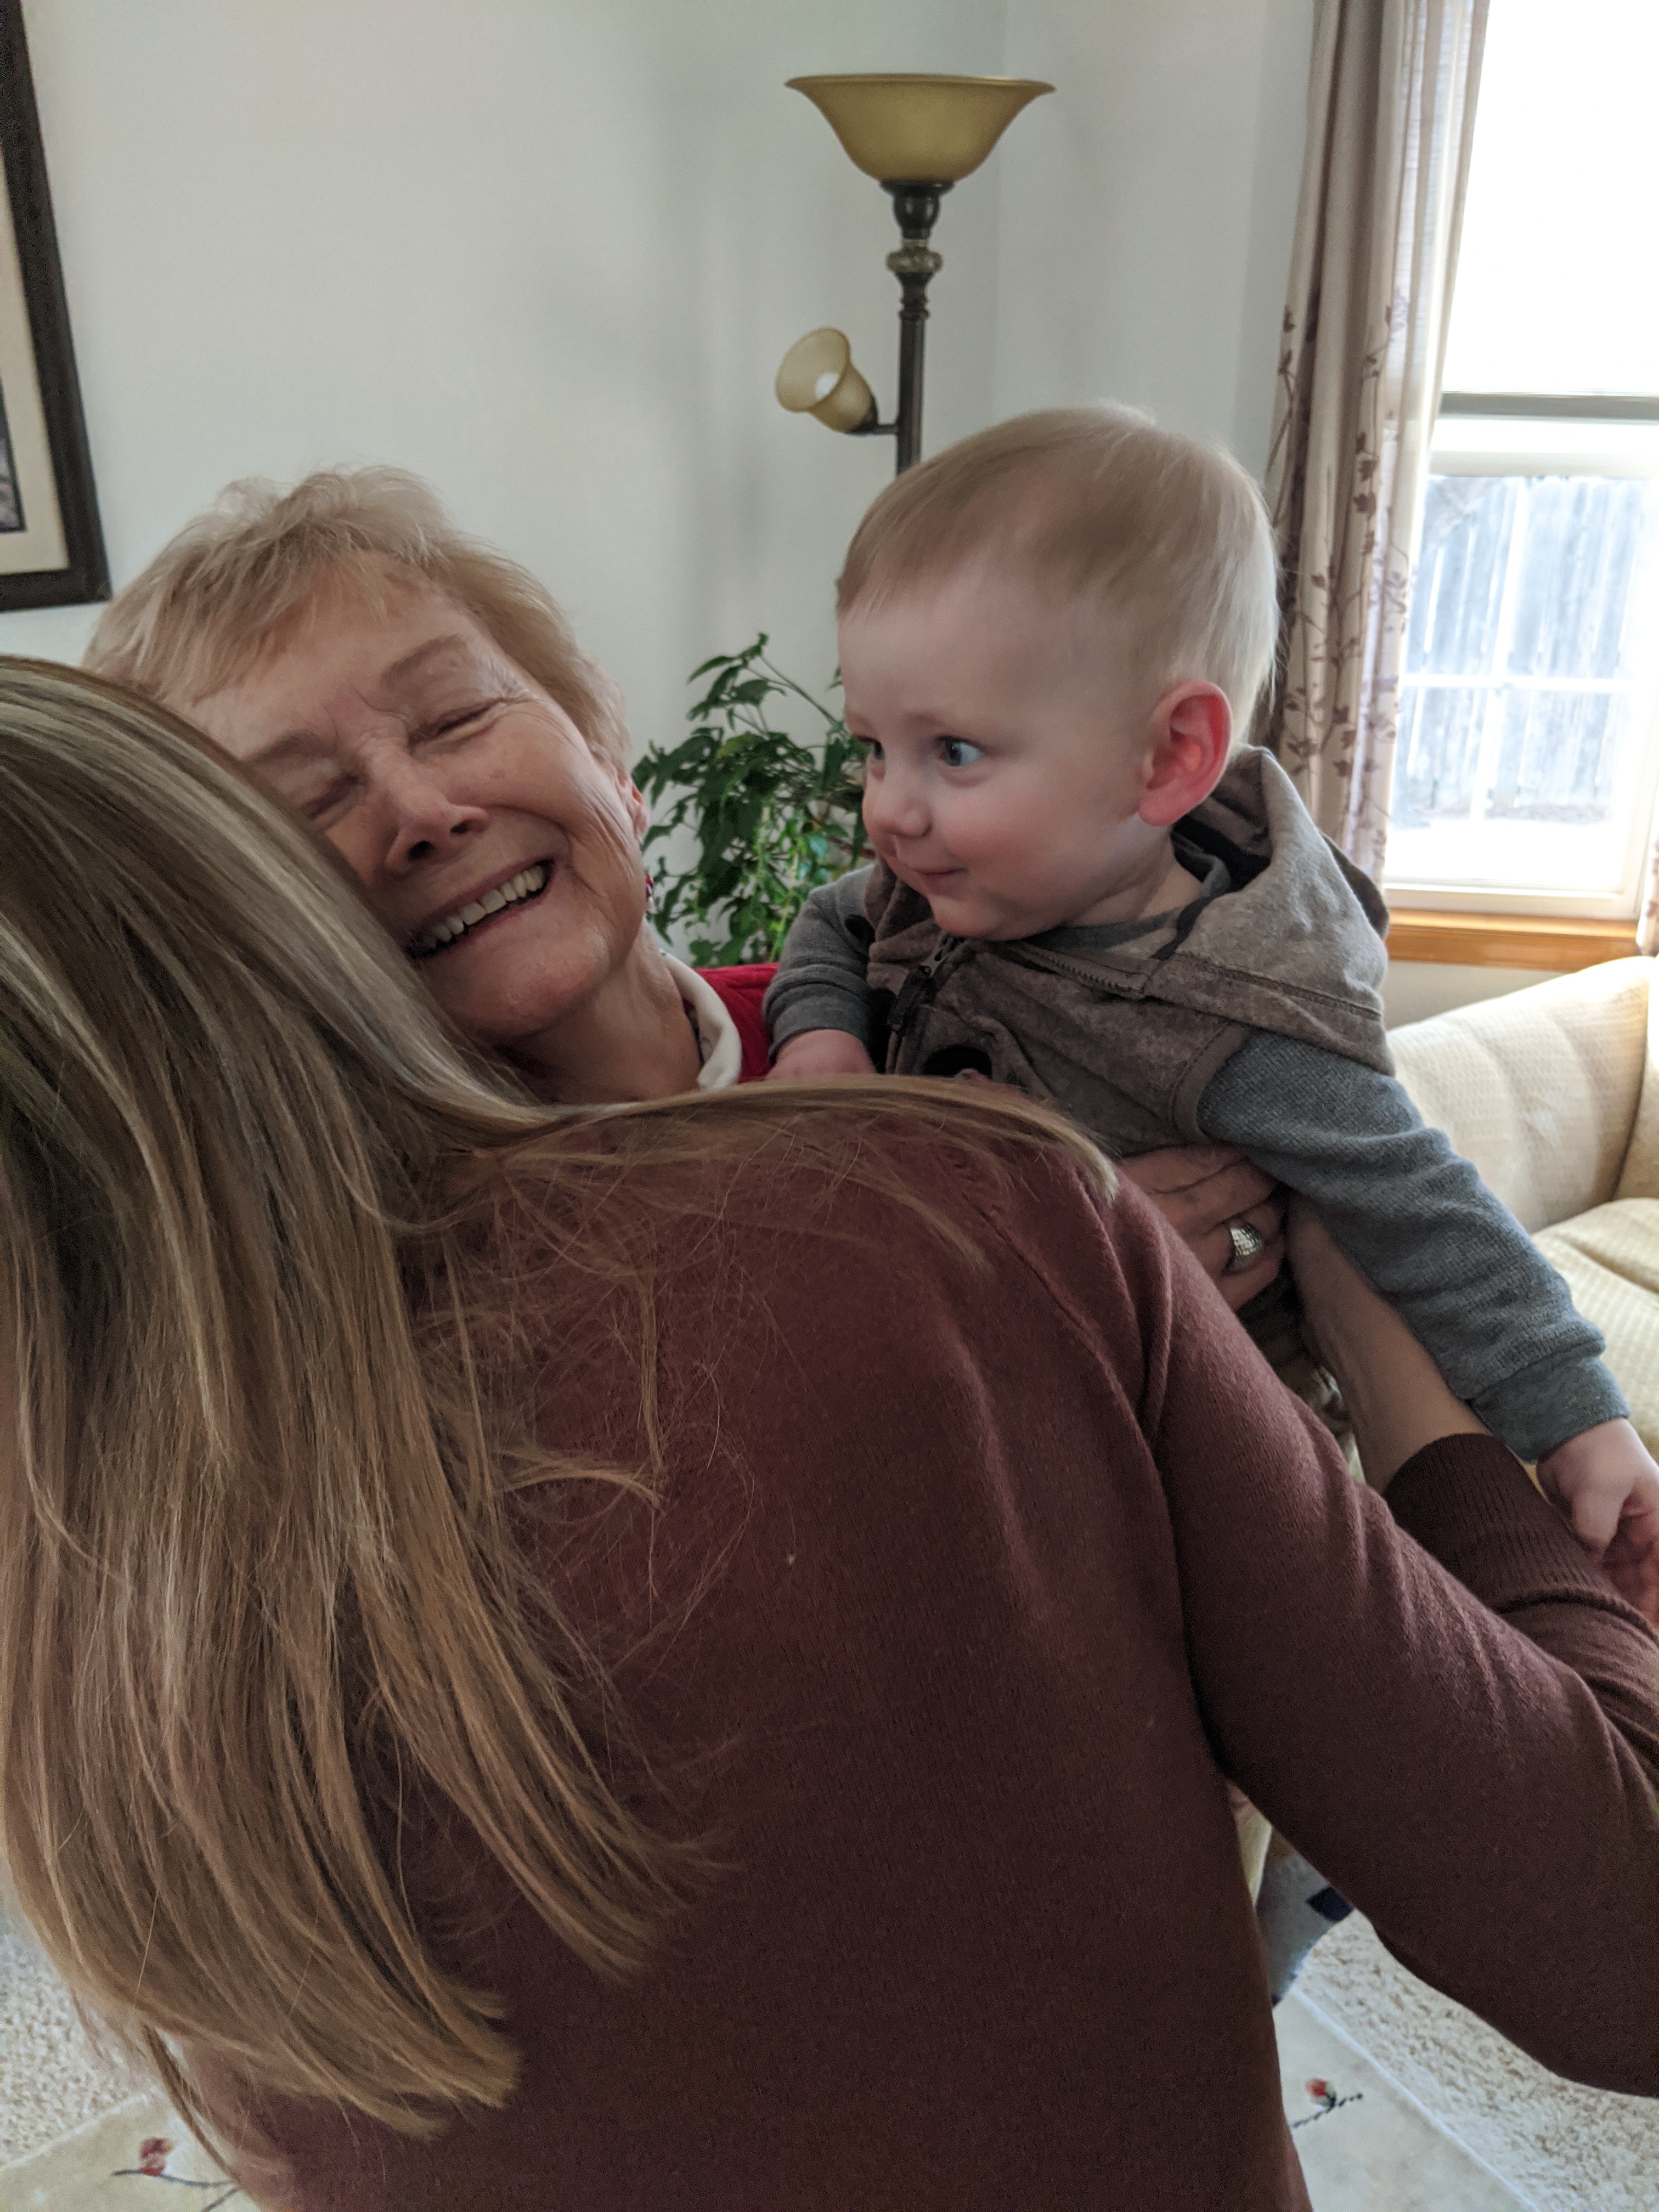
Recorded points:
(1004,862)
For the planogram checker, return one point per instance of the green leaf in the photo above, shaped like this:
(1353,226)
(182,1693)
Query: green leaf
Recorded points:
(771,818)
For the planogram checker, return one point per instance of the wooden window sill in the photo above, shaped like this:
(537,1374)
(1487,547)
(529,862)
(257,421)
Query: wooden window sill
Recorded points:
(1507,940)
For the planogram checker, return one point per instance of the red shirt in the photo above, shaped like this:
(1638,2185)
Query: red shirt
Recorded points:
(740,991)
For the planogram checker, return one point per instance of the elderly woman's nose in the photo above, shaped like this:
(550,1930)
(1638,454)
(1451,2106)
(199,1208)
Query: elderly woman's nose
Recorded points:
(421,817)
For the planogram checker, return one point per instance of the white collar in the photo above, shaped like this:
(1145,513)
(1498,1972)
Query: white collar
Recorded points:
(718,1041)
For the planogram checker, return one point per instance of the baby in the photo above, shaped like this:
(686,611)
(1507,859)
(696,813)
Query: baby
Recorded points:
(1049,634)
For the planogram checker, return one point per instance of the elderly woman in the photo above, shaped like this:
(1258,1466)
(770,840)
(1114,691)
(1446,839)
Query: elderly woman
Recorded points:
(423,702)
(485,1751)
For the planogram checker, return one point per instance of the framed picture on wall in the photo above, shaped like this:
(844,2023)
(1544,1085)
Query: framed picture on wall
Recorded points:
(52,546)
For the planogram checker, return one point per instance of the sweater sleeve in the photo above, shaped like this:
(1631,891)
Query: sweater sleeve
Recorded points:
(820,983)
(1424,1230)
(1472,1761)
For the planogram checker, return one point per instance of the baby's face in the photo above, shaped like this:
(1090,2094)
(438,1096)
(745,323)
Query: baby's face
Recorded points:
(1006,763)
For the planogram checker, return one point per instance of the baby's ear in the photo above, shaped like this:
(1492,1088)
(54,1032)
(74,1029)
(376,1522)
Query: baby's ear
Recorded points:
(1192,734)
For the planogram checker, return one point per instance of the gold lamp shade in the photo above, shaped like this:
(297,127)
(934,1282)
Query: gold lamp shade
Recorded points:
(817,377)
(919,130)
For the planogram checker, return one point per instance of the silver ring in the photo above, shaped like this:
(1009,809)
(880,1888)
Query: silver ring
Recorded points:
(1248,1244)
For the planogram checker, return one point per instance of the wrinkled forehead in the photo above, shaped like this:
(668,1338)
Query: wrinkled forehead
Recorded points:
(381,634)
(364,619)
(346,659)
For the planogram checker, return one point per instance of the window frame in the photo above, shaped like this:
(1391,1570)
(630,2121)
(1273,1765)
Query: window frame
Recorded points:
(1481,925)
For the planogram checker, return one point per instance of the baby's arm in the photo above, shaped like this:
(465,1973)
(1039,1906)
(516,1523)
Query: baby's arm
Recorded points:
(1428,1234)
(817,1008)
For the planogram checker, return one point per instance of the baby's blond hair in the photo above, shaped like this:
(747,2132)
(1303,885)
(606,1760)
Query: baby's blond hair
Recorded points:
(1096,503)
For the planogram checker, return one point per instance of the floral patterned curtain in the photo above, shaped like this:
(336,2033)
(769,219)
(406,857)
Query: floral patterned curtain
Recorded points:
(1390,118)
(1647,919)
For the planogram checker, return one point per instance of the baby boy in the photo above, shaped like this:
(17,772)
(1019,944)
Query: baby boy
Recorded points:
(1049,634)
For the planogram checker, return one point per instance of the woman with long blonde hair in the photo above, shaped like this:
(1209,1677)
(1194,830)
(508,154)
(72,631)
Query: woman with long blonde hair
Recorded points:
(686,1655)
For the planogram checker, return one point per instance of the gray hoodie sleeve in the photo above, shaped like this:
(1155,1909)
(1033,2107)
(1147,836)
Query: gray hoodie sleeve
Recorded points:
(1425,1230)
(820,983)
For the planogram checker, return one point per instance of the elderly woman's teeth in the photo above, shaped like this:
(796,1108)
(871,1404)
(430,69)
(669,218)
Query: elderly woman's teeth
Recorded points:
(524,885)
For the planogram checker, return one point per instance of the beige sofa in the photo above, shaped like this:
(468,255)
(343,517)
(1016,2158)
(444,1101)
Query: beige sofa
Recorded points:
(1553,1093)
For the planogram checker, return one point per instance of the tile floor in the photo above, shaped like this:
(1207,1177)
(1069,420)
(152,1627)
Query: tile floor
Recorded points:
(1365,2145)
(135,2159)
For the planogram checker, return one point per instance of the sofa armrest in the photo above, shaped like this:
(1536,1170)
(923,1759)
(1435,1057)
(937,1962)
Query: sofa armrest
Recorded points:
(1539,1089)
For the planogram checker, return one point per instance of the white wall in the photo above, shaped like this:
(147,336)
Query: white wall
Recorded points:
(548,252)
(1415,989)
(1147,217)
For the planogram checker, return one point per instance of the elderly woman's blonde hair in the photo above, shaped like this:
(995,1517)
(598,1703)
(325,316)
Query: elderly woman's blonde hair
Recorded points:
(1167,534)
(236,585)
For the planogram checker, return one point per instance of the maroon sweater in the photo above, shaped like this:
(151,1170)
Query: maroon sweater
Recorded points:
(1003,1567)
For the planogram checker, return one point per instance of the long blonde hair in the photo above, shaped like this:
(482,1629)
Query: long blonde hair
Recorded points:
(254,1538)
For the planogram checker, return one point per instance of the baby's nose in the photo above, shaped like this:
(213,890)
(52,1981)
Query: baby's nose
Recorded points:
(896,807)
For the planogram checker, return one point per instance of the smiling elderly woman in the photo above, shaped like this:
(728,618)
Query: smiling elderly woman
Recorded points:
(423,702)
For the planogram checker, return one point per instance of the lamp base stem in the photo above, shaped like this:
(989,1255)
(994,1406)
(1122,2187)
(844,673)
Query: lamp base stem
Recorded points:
(915,208)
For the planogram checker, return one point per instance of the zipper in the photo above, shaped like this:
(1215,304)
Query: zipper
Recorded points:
(917,985)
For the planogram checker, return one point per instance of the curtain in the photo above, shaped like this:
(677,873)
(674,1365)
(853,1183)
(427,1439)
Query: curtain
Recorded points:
(1647,918)
(1391,103)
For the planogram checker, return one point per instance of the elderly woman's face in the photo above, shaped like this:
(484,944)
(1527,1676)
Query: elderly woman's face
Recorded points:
(492,844)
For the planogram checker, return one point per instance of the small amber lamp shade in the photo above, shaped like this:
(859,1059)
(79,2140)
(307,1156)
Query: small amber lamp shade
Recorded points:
(818,378)
(919,130)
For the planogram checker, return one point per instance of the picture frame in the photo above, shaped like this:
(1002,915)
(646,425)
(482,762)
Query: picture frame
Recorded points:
(52,542)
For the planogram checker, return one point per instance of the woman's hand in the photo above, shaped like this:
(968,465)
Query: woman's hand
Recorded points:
(1396,1397)
(1201,1190)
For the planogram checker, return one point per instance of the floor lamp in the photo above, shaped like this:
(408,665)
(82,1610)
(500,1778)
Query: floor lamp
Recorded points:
(916,135)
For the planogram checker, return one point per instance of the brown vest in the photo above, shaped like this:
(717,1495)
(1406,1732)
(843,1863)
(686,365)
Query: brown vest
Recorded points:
(1124,1038)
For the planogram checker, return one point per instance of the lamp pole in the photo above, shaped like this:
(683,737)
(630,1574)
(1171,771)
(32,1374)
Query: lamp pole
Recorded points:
(915,265)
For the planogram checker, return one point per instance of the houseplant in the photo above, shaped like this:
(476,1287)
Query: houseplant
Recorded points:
(773,817)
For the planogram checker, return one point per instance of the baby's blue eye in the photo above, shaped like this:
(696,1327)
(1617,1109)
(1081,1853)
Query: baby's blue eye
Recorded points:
(958,753)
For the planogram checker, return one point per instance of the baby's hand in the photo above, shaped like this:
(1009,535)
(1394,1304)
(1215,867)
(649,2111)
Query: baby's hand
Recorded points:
(1610,1487)
(814,1054)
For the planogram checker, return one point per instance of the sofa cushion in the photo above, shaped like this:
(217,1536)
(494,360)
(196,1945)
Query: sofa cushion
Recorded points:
(1610,1257)
(1639,1177)
(1539,1089)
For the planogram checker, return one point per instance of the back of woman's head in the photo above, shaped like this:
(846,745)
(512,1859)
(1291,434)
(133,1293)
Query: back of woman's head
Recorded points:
(249,1537)
(237,581)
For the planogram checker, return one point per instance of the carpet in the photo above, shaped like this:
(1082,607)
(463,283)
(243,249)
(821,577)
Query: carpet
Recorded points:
(1558,2147)
(51,2078)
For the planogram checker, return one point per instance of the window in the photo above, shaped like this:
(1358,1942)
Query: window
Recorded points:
(1529,756)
